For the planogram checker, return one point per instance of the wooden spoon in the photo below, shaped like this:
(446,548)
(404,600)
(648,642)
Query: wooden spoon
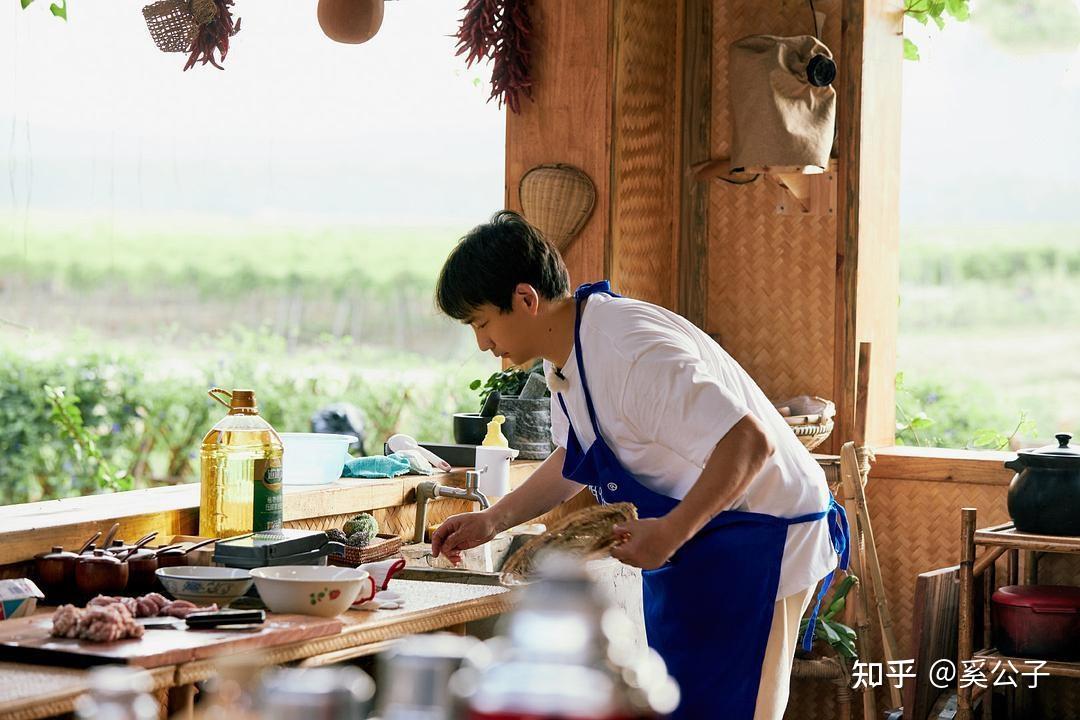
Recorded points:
(167,547)
(142,541)
(89,542)
(107,543)
(199,544)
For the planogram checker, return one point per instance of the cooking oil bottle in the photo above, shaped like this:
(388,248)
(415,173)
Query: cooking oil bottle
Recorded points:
(240,470)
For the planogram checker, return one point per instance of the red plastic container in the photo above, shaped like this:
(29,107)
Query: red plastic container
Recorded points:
(1037,621)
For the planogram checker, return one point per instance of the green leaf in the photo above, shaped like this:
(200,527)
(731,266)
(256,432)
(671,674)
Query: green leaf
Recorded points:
(59,9)
(938,21)
(959,9)
(920,15)
(475,385)
(921,421)
(26,3)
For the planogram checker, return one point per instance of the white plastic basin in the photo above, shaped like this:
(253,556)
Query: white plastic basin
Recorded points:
(314,458)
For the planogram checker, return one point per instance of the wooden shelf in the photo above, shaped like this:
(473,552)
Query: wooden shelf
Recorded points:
(1019,549)
(1008,536)
(808,190)
(1055,668)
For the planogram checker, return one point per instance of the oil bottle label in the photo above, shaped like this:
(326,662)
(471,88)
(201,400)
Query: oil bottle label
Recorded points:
(266,513)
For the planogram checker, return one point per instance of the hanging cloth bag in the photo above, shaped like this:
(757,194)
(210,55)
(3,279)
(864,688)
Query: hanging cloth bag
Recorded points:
(782,101)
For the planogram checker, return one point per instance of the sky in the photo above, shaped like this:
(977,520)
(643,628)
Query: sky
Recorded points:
(94,118)
(988,136)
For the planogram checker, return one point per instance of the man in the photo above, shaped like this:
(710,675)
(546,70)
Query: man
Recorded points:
(736,524)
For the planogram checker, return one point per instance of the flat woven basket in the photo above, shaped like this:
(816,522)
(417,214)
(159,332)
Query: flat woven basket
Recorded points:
(813,434)
(558,200)
(587,533)
(171,24)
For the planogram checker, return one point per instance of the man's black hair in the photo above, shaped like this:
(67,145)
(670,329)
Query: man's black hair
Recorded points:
(492,259)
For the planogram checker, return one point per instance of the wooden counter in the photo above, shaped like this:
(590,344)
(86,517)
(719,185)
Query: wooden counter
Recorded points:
(28,692)
(31,528)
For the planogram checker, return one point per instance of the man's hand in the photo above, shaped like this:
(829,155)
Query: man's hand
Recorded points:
(461,532)
(648,543)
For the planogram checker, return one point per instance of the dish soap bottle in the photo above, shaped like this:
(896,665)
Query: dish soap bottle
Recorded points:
(494,437)
(240,470)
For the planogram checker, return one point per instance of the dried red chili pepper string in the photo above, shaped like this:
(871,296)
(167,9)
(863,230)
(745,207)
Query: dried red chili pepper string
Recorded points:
(213,36)
(499,30)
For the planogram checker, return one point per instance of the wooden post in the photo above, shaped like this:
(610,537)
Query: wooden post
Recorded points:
(965,641)
(849,476)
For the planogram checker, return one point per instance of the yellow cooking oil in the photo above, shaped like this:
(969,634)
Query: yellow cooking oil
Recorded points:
(240,470)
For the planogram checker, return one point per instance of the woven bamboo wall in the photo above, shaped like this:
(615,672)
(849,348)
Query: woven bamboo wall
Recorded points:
(643,200)
(569,119)
(772,278)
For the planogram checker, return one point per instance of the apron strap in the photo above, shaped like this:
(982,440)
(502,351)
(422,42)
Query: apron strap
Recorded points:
(840,534)
(580,296)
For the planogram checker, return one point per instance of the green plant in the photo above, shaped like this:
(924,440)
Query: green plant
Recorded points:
(508,382)
(67,416)
(938,414)
(838,635)
(923,11)
(59,9)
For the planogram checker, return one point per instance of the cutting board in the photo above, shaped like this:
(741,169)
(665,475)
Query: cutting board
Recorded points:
(28,640)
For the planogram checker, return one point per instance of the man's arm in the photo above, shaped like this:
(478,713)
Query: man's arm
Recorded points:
(734,463)
(544,489)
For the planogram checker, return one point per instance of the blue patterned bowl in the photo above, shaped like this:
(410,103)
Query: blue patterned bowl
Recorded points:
(205,585)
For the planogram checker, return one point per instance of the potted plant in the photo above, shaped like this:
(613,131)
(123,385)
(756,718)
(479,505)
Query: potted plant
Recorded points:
(532,413)
(837,635)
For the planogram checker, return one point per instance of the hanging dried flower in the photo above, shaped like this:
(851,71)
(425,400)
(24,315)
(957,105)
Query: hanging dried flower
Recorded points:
(499,30)
(215,28)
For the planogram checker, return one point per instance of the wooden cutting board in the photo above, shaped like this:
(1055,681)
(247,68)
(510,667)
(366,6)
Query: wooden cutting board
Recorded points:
(28,640)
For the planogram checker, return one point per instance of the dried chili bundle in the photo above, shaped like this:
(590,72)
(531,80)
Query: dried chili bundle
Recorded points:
(499,30)
(215,28)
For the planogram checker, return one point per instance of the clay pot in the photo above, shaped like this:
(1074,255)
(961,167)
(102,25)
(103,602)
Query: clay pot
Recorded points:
(100,574)
(1045,493)
(56,572)
(141,568)
(350,21)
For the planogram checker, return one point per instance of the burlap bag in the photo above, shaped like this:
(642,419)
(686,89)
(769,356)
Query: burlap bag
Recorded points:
(779,118)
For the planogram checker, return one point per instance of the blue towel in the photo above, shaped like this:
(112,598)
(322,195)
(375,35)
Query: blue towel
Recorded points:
(376,466)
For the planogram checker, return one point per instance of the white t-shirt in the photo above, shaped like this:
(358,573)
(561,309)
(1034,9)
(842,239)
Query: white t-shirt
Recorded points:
(665,393)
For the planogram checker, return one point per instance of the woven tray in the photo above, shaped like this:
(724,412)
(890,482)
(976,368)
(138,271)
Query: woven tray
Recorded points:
(813,434)
(382,547)
(586,533)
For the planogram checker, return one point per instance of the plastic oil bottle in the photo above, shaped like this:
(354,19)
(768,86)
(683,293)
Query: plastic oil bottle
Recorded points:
(240,470)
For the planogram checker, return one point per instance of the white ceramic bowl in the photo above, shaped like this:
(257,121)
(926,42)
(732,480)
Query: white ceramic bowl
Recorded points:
(314,458)
(205,585)
(312,589)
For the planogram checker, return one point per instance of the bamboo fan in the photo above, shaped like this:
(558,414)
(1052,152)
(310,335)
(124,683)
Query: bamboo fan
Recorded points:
(558,200)
(587,533)
(171,24)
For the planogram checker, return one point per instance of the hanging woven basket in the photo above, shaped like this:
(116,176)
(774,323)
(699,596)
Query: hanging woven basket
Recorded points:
(171,24)
(557,200)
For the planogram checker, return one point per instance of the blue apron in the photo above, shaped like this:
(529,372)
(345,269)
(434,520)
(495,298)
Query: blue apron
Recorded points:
(709,609)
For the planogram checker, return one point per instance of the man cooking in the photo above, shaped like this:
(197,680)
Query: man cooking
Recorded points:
(736,523)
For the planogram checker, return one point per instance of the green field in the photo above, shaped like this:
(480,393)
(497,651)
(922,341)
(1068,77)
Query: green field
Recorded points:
(137,321)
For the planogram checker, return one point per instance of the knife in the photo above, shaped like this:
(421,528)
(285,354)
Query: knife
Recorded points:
(206,620)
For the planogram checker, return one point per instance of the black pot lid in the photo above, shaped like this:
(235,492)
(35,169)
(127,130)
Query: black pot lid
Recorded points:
(1058,455)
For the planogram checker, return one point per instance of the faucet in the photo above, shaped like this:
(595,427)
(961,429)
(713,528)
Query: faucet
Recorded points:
(430,490)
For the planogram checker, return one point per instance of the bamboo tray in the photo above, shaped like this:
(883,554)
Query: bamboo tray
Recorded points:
(382,547)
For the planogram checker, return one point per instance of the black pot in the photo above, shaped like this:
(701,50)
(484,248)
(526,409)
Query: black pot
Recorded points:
(1044,497)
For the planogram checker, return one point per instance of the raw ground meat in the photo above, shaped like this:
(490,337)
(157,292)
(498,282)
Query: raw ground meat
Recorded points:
(98,622)
(106,619)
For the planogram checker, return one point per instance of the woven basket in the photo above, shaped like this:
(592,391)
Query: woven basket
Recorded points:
(382,547)
(171,24)
(558,200)
(587,533)
(809,417)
